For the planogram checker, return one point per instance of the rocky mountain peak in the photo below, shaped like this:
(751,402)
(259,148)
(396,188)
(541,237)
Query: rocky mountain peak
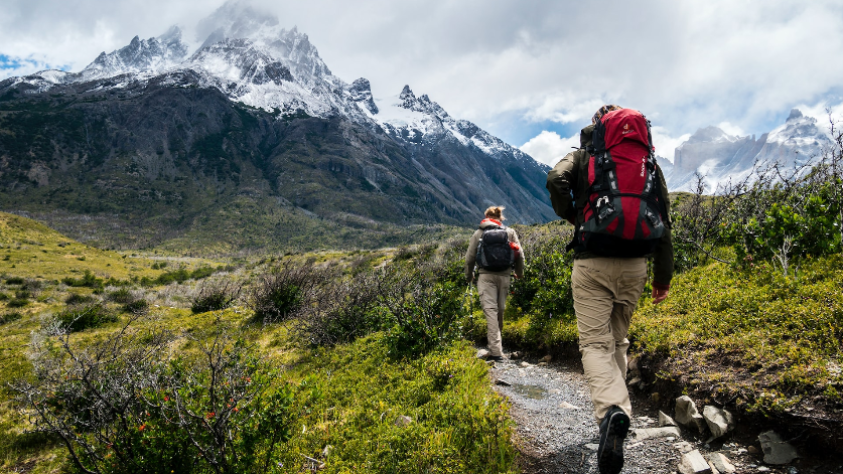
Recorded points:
(709,134)
(360,91)
(153,55)
(795,114)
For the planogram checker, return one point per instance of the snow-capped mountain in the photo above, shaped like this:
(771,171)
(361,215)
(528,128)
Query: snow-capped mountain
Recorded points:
(722,158)
(253,113)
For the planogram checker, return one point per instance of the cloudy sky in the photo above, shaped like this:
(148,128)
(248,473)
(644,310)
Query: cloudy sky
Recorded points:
(531,72)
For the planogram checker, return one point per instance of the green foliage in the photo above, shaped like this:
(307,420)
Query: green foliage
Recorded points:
(786,231)
(139,306)
(213,298)
(10,317)
(457,424)
(180,276)
(76,319)
(77,299)
(88,280)
(17,303)
(765,338)
(14,281)
(122,296)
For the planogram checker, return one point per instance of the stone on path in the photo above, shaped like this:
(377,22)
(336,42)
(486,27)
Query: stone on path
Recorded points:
(502,383)
(687,414)
(515,355)
(592,447)
(721,463)
(694,463)
(719,421)
(776,451)
(482,354)
(525,364)
(652,433)
(665,420)
(568,406)
(547,358)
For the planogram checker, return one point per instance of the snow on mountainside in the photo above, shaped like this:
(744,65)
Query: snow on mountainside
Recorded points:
(722,158)
(250,58)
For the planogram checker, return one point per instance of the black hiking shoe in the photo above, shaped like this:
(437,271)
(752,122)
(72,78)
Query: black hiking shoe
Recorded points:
(613,430)
(497,358)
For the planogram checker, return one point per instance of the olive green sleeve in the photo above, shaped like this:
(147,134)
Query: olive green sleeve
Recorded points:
(522,257)
(560,182)
(471,255)
(663,256)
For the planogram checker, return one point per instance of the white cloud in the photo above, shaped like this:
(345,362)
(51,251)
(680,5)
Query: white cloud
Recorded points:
(549,147)
(684,64)
(666,144)
(732,129)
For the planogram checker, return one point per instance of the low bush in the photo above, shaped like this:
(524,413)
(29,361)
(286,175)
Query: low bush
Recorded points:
(4,296)
(283,291)
(139,306)
(9,317)
(215,297)
(17,303)
(76,319)
(121,296)
(77,299)
(181,275)
(14,281)
(88,280)
(125,405)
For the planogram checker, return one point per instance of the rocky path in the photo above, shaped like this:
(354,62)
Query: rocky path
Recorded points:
(556,431)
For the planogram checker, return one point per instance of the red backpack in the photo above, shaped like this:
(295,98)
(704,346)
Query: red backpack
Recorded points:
(623,212)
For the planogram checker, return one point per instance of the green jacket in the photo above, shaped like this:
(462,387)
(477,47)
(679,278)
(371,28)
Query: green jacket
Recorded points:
(571,174)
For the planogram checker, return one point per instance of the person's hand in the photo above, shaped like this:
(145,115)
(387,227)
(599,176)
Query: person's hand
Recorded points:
(660,292)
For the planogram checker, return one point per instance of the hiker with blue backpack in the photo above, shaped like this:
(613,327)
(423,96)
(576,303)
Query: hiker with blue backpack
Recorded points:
(495,250)
(614,193)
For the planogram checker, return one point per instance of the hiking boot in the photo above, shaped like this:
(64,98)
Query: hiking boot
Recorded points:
(613,430)
(499,358)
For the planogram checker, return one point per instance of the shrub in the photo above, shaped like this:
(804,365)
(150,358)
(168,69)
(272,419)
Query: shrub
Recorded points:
(122,296)
(345,311)
(9,317)
(214,298)
(280,293)
(23,294)
(88,280)
(139,306)
(76,299)
(17,303)
(78,319)
(181,275)
(4,297)
(14,281)
(125,406)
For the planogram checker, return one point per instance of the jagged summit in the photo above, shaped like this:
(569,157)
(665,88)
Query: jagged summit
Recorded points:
(722,157)
(149,57)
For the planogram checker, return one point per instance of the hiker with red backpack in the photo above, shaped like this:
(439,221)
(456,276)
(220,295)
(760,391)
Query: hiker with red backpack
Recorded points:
(614,193)
(495,250)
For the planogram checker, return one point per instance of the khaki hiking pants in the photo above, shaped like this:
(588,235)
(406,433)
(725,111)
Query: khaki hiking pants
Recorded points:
(493,290)
(606,291)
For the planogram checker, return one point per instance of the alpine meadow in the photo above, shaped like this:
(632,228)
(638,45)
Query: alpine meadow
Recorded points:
(217,256)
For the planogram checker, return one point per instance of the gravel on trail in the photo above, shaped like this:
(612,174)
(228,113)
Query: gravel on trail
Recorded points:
(556,431)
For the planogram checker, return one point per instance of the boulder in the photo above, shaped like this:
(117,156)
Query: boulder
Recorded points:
(482,354)
(687,414)
(776,450)
(665,420)
(547,358)
(719,421)
(694,463)
(721,463)
(525,364)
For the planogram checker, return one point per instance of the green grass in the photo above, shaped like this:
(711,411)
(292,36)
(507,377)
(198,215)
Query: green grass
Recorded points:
(768,340)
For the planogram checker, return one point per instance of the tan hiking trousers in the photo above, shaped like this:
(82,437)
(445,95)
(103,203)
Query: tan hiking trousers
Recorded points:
(606,291)
(493,290)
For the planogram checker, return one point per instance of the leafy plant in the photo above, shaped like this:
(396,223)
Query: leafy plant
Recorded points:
(76,319)
(215,298)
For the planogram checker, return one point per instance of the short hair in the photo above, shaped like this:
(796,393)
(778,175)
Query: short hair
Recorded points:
(495,212)
(603,111)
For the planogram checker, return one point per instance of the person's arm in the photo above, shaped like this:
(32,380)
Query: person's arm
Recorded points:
(521,259)
(471,255)
(663,256)
(560,181)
